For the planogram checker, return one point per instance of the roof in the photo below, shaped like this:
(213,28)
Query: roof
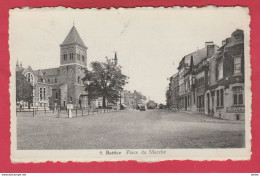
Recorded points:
(57,86)
(73,37)
(49,71)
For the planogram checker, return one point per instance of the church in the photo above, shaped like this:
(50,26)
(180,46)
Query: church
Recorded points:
(62,85)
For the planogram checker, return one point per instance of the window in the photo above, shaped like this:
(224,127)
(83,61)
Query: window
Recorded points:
(55,80)
(71,56)
(83,58)
(238,96)
(57,95)
(65,57)
(220,70)
(78,56)
(78,79)
(40,93)
(217,98)
(237,65)
(221,97)
(29,77)
(44,92)
(48,80)
(71,99)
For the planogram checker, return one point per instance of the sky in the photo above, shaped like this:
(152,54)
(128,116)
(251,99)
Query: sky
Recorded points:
(150,42)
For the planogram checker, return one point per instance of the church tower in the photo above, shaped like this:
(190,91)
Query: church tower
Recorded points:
(73,50)
(73,63)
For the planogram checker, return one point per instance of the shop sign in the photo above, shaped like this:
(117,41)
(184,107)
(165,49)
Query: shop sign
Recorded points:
(234,109)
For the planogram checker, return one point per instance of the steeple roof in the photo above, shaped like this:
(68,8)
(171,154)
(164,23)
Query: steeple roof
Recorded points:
(73,38)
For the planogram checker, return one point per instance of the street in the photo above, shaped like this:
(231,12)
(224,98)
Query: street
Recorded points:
(129,129)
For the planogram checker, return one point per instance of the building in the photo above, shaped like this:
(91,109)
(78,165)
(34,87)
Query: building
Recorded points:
(193,78)
(127,99)
(224,97)
(151,104)
(211,79)
(139,99)
(62,85)
(42,91)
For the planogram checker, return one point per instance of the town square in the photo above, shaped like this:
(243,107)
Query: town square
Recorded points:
(128,81)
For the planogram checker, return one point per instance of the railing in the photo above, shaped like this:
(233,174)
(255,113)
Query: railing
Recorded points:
(63,112)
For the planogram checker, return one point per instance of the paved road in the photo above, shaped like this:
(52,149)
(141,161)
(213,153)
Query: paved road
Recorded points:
(129,129)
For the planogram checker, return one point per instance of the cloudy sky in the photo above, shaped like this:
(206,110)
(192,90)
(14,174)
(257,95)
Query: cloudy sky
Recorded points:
(150,42)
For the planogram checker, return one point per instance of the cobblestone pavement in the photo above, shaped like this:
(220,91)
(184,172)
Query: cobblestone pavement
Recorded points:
(128,129)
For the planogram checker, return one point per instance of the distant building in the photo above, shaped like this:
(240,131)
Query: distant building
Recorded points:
(174,88)
(151,104)
(127,99)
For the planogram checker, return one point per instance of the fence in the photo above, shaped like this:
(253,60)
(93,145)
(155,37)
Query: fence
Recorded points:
(59,112)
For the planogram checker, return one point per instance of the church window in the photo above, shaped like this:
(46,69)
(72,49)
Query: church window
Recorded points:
(83,58)
(65,57)
(71,56)
(44,92)
(29,78)
(57,95)
(40,93)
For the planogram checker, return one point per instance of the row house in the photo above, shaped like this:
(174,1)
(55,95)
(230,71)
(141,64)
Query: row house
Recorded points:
(226,91)
(174,91)
(211,79)
(193,76)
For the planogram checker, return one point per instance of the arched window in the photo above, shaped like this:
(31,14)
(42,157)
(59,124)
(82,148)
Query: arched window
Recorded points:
(57,95)
(71,56)
(29,78)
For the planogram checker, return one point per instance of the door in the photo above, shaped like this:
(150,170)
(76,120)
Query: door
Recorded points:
(185,103)
(208,100)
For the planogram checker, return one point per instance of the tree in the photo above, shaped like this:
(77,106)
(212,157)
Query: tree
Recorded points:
(24,89)
(106,80)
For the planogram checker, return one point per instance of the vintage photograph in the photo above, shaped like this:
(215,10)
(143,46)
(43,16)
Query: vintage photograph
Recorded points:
(145,84)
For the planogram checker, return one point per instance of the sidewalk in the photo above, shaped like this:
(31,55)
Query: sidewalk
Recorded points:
(209,118)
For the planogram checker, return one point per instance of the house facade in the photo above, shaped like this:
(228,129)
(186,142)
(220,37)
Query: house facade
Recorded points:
(211,79)
(225,94)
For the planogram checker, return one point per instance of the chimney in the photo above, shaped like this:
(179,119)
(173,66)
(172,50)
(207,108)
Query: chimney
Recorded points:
(208,43)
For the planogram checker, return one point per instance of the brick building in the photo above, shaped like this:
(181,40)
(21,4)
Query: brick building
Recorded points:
(225,94)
